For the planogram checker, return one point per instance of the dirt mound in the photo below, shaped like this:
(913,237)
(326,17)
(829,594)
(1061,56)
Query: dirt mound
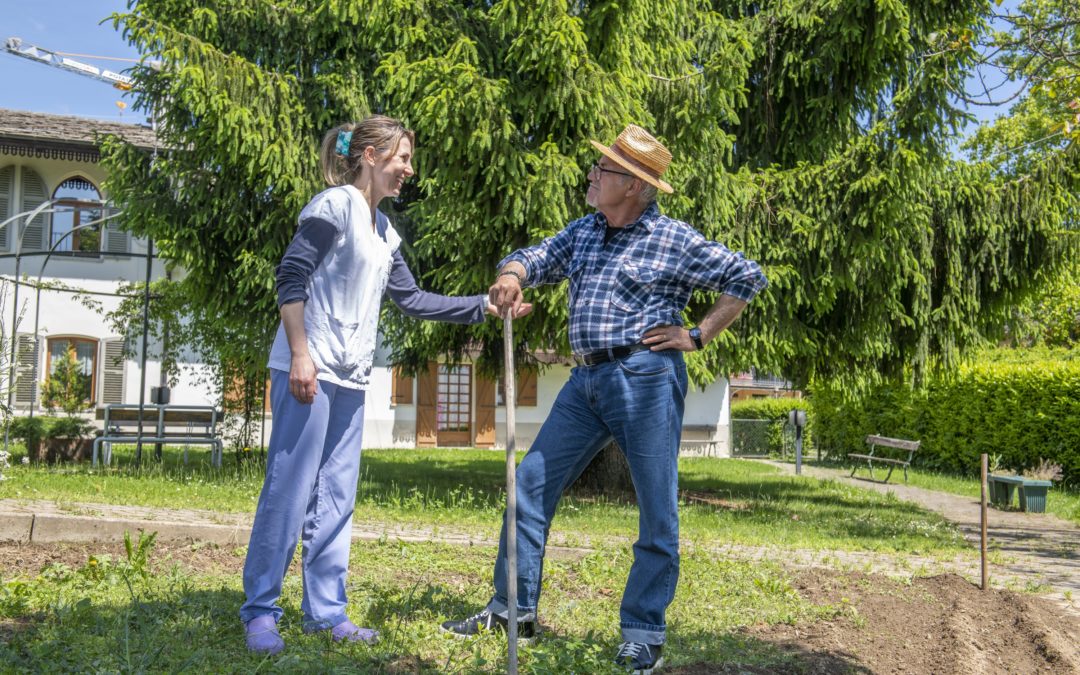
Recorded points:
(942,625)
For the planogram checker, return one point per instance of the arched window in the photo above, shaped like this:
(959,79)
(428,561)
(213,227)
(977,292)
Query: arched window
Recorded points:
(79,203)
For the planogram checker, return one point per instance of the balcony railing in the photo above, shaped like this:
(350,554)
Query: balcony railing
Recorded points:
(760,380)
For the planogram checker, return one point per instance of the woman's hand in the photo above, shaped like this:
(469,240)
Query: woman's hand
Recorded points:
(523,309)
(302,374)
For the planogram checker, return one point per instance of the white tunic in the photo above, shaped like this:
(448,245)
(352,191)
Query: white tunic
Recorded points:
(341,315)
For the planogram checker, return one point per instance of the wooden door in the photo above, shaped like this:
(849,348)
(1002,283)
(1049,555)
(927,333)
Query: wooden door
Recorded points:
(485,413)
(426,401)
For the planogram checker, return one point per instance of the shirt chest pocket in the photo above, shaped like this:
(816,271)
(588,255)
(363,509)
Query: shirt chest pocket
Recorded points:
(632,287)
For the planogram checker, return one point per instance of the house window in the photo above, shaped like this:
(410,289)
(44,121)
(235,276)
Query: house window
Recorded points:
(22,190)
(85,355)
(79,203)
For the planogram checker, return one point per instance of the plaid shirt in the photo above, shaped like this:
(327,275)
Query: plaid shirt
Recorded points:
(642,278)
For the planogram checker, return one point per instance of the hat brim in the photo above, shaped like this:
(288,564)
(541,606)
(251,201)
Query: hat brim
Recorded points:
(651,180)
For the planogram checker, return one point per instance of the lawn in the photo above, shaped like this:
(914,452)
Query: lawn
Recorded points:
(173,607)
(724,501)
(152,614)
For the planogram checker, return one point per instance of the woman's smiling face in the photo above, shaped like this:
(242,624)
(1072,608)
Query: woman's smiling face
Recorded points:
(393,169)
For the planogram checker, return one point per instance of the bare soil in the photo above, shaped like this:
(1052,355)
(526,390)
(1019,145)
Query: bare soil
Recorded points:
(941,624)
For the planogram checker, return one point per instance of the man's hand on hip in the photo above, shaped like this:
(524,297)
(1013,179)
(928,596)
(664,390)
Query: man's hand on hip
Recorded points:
(669,337)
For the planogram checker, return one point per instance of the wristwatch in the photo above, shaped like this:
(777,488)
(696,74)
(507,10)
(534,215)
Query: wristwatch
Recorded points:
(695,335)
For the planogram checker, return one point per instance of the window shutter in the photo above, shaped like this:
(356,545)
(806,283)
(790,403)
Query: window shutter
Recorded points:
(485,413)
(7,199)
(112,371)
(116,240)
(400,388)
(427,435)
(26,365)
(526,395)
(34,195)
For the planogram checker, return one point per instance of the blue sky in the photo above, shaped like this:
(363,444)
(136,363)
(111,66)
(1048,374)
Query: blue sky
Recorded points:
(64,26)
(73,26)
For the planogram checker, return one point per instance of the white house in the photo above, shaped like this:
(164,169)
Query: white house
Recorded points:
(51,158)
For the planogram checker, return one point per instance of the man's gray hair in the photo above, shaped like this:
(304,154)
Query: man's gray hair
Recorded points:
(647,195)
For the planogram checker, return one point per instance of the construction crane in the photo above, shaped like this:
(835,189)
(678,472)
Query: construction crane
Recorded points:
(17,47)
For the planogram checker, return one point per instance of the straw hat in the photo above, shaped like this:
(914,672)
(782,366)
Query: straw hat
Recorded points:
(638,152)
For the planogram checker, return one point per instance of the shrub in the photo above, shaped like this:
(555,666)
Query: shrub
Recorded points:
(767,408)
(65,387)
(30,430)
(1018,407)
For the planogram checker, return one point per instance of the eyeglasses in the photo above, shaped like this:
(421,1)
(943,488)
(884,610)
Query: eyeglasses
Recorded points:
(602,170)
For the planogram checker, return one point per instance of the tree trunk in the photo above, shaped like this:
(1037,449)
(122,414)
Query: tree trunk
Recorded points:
(608,473)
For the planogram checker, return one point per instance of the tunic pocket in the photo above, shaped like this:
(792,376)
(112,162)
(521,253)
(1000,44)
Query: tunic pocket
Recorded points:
(342,343)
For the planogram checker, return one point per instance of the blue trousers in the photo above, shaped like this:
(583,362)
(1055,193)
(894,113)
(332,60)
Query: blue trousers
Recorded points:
(312,468)
(638,401)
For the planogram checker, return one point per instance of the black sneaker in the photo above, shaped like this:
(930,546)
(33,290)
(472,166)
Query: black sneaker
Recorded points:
(639,658)
(487,621)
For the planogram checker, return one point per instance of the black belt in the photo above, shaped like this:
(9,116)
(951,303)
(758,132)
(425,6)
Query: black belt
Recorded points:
(610,354)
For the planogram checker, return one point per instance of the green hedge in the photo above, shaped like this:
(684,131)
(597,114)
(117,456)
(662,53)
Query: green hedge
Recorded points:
(1018,408)
(767,408)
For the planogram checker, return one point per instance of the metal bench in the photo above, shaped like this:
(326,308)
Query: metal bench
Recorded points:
(1032,492)
(165,424)
(706,446)
(895,446)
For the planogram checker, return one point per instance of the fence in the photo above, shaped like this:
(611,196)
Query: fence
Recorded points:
(759,438)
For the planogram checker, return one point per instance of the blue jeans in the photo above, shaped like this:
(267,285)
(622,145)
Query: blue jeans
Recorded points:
(639,402)
(312,468)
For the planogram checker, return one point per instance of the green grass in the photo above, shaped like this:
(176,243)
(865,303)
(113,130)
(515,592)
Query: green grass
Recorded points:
(130,615)
(725,501)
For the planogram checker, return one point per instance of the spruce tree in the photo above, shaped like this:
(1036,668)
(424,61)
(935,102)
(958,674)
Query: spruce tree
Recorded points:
(810,134)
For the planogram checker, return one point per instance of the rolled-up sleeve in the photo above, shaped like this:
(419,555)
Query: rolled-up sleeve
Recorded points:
(713,266)
(402,289)
(309,246)
(546,262)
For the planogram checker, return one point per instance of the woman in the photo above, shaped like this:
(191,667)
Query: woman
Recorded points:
(330,283)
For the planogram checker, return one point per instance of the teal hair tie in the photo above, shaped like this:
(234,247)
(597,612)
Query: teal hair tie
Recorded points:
(344,139)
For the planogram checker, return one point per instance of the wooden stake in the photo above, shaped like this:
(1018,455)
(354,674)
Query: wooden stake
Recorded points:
(985,572)
(511,496)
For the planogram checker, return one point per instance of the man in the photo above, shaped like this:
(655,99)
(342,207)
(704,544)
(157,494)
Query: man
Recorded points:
(631,272)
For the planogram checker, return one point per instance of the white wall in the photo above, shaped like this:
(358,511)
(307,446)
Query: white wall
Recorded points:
(61,313)
(389,425)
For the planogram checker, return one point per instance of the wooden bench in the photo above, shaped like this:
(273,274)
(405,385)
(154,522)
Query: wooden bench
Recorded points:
(165,424)
(706,446)
(894,446)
